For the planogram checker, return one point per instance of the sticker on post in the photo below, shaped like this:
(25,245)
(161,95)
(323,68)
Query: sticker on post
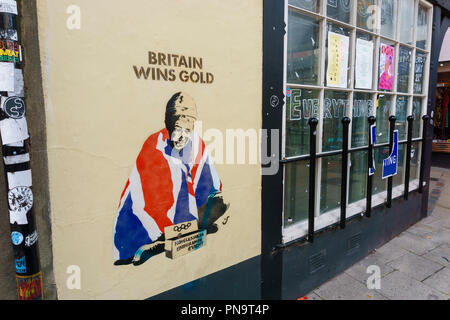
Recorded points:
(19,179)
(31,239)
(29,287)
(7,76)
(14,107)
(390,165)
(16,238)
(18,84)
(20,199)
(13,130)
(21,266)
(8,6)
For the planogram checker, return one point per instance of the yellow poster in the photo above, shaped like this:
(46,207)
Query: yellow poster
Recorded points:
(337,60)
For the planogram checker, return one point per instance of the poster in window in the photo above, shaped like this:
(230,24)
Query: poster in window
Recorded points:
(364,64)
(337,60)
(386,67)
(418,72)
(404,60)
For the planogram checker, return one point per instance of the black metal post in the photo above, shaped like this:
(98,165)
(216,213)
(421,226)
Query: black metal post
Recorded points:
(312,176)
(426,121)
(345,127)
(392,120)
(17,164)
(370,166)
(410,120)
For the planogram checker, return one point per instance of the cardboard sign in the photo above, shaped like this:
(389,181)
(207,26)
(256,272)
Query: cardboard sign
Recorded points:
(180,229)
(390,165)
(178,247)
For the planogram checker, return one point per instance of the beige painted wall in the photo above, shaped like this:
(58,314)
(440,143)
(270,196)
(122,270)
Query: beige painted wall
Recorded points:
(99,114)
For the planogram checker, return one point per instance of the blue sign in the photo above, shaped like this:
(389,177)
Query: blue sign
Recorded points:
(16,238)
(21,266)
(373,139)
(390,164)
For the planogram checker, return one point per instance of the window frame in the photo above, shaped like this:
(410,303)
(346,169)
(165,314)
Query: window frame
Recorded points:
(299,230)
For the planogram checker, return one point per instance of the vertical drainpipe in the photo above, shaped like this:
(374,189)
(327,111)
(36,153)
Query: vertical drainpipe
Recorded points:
(16,159)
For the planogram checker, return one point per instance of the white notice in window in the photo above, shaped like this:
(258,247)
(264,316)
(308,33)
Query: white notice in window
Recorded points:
(363,64)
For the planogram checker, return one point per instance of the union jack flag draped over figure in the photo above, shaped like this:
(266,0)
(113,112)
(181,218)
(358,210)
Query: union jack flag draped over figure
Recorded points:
(170,183)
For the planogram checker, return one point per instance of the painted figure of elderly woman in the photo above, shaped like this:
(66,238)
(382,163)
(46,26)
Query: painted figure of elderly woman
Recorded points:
(173,181)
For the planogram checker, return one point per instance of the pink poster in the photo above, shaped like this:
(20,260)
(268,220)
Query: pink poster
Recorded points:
(386,67)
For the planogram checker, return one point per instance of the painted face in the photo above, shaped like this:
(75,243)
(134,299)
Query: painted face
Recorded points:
(182,133)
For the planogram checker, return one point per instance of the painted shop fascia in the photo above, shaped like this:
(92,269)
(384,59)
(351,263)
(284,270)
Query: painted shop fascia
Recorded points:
(142,208)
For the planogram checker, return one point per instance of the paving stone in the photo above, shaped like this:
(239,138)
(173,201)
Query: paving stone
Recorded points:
(313,296)
(413,243)
(436,173)
(440,281)
(398,286)
(440,212)
(440,237)
(423,230)
(389,252)
(359,270)
(440,255)
(444,202)
(430,219)
(344,287)
(414,266)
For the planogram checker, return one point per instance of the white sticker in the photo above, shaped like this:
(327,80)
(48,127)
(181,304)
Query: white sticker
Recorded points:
(18,217)
(31,239)
(16,144)
(20,199)
(21,158)
(8,6)
(7,76)
(14,130)
(19,179)
(18,84)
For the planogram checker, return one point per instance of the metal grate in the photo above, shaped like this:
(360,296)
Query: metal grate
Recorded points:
(317,261)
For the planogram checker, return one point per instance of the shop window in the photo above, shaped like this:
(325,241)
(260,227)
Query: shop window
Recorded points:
(302,104)
(311,5)
(422,28)
(406,23)
(303,49)
(404,62)
(417,114)
(339,9)
(419,69)
(401,110)
(365,12)
(388,18)
(345,58)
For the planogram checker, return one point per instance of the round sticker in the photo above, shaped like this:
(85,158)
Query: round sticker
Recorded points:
(14,107)
(16,238)
(20,199)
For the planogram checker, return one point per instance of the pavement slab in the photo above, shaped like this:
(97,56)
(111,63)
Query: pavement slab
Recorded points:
(414,266)
(389,252)
(344,287)
(440,255)
(359,270)
(399,286)
(413,243)
(440,281)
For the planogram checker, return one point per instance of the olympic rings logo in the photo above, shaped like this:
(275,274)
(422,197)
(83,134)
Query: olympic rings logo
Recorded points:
(182,227)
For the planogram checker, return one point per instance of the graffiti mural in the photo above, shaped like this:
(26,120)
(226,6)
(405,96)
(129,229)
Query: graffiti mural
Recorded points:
(171,200)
